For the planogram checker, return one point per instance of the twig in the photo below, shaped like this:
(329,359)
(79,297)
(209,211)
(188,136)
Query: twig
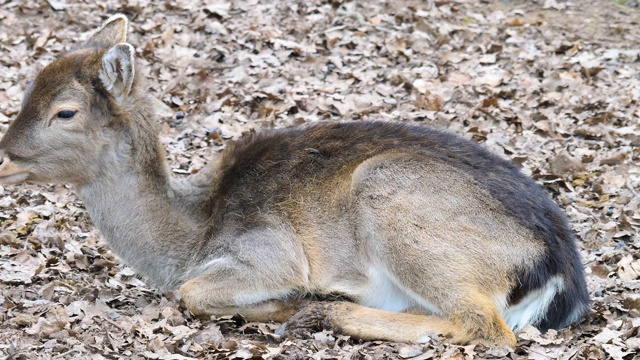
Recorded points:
(62,355)
(495,118)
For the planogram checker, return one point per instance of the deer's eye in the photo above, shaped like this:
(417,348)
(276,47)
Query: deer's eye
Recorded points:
(66,114)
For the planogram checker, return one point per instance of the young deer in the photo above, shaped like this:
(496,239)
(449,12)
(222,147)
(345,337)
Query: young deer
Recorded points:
(423,232)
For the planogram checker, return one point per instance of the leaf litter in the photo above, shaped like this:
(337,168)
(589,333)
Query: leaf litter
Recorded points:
(553,85)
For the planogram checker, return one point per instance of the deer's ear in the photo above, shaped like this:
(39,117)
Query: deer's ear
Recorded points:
(112,32)
(117,71)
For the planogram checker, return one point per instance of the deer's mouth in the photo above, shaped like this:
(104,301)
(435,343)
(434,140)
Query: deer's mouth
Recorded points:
(11,173)
(14,178)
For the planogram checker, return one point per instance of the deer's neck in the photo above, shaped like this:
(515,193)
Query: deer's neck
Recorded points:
(146,222)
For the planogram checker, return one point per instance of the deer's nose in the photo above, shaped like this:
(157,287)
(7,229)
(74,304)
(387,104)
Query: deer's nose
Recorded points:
(4,159)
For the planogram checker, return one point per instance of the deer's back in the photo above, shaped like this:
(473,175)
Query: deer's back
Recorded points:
(267,167)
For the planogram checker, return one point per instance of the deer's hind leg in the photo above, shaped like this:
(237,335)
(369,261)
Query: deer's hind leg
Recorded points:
(443,241)
(480,323)
(257,276)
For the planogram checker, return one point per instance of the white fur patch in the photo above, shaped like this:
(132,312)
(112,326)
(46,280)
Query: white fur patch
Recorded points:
(383,293)
(225,261)
(386,293)
(533,306)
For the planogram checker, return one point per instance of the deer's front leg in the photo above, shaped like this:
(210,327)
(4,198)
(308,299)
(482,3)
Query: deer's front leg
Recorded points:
(201,297)
(259,277)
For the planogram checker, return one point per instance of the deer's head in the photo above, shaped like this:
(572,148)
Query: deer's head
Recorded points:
(70,109)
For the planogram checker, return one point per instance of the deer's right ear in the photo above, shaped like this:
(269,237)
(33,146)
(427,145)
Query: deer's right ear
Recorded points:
(117,72)
(112,32)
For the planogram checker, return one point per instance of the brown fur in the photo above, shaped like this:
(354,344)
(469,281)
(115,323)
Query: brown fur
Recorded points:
(387,216)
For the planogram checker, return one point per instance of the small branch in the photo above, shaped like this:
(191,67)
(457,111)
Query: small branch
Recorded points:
(62,355)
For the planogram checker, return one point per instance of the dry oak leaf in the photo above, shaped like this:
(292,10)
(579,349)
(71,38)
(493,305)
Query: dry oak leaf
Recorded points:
(615,351)
(565,163)
(493,77)
(628,268)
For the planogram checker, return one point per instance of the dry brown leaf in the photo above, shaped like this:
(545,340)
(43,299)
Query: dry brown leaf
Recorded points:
(628,268)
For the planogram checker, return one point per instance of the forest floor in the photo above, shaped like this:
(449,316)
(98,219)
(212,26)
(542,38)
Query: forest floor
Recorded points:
(552,84)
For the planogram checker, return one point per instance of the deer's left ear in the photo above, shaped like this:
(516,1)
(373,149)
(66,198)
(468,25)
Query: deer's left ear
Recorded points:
(112,32)
(117,72)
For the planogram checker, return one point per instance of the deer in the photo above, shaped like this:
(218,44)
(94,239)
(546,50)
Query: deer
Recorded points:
(379,230)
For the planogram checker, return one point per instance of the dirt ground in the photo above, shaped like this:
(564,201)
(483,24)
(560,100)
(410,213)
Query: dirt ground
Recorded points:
(553,85)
